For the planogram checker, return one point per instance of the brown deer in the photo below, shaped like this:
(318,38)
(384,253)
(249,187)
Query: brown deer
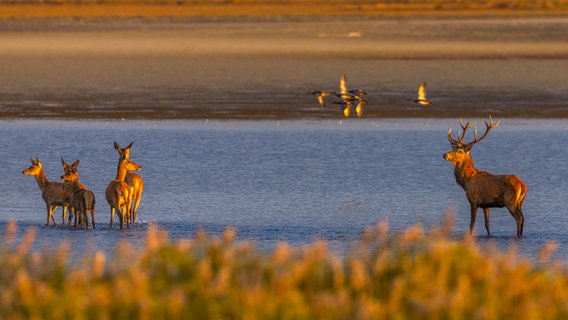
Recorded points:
(83,199)
(483,189)
(132,179)
(118,192)
(68,169)
(54,194)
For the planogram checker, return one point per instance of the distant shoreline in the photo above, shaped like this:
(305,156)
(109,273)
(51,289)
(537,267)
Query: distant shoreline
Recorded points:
(260,67)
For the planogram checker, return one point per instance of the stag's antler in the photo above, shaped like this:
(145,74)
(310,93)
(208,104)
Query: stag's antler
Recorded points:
(459,143)
(488,126)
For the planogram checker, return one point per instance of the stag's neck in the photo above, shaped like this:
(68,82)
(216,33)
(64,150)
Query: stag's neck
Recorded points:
(41,180)
(464,171)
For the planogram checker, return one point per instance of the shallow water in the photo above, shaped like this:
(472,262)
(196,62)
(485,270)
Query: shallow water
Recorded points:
(292,181)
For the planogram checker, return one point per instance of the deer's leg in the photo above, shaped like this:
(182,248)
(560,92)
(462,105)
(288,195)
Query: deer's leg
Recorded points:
(517,213)
(472,219)
(135,207)
(71,215)
(93,217)
(85,219)
(63,215)
(120,213)
(520,222)
(486,214)
(48,213)
(111,216)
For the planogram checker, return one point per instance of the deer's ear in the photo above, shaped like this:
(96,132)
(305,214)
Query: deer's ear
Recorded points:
(116,146)
(74,165)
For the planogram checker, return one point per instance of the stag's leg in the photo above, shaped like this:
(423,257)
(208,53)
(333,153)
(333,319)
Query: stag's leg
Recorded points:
(472,220)
(520,222)
(517,213)
(486,214)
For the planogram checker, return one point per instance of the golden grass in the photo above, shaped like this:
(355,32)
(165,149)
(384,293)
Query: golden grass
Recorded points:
(409,275)
(156,9)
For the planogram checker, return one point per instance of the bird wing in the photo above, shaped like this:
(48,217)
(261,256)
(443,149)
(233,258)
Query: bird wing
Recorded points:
(359,109)
(321,101)
(422,91)
(343,85)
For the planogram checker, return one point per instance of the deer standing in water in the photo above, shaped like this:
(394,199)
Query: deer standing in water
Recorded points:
(83,199)
(54,194)
(483,189)
(118,192)
(133,180)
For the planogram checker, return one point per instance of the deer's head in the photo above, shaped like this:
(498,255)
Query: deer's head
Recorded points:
(460,149)
(123,151)
(128,164)
(71,173)
(69,168)
(34,169)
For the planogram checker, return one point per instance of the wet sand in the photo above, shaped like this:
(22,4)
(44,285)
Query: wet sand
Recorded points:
(247,68)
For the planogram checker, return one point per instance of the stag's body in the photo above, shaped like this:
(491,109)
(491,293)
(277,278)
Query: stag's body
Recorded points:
(54,194)
(134,180)
(483,189)
(118,192)
(83,199)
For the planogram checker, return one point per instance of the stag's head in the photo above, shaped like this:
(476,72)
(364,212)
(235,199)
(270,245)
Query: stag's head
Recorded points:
(460,149)
(34,169)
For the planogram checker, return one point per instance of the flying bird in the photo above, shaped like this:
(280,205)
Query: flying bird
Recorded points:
(359,107)
(421,95)
(320,94)
(346,107)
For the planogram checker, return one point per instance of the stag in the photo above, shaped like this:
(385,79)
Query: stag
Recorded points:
(483,189)
(133,180)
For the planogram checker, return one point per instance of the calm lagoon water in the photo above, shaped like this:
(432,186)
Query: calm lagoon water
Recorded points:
(293,181)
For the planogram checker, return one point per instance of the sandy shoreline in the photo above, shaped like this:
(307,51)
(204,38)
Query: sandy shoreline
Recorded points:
(262,68)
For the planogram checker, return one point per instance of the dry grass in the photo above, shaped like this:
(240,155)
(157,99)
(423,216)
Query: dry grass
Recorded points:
(409,275)
(267,8)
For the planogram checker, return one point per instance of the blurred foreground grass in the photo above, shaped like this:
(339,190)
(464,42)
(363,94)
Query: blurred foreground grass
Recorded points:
(408,275)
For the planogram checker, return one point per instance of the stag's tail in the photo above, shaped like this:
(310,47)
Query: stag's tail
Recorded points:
(521,193)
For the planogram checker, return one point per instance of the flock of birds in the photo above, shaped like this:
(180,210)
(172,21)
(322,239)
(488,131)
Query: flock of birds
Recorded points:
(353,99)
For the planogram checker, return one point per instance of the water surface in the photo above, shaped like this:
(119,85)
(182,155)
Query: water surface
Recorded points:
(293,181)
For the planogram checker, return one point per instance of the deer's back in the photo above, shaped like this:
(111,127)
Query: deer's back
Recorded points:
(57,193)
(488,190)
(84,197)
(134,180)
(117,192)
